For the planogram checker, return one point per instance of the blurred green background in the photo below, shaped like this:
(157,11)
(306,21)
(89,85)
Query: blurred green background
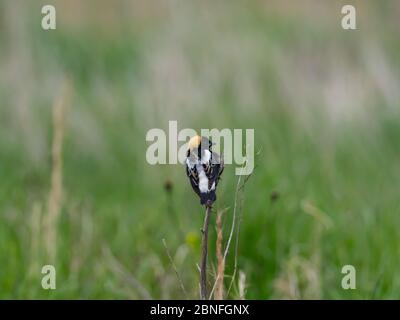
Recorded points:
(324,103)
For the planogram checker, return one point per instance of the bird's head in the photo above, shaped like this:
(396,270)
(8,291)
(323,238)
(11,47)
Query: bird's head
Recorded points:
(197,145)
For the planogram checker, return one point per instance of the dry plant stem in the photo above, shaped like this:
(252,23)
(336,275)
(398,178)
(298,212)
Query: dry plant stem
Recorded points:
(219,291)
(233,218)
(239,218)
(56,191)
(204,249)
(239,188)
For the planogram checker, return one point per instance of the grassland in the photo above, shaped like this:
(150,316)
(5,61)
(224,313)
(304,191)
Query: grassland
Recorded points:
(324,104)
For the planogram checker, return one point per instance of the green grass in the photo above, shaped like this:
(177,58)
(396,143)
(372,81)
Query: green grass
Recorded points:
(250,68)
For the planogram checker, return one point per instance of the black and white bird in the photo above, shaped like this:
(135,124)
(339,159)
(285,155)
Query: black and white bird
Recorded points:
(203,168)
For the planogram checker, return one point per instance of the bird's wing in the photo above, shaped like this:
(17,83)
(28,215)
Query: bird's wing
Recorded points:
(214,170)
(193,178)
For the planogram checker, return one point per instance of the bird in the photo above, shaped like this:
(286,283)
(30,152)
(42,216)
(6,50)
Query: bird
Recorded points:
(203,168)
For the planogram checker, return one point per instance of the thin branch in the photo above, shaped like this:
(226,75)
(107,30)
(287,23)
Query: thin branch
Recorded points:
(214,286)
(204,250)
(233,218)
(236,246)
(175,269)
(231,231)
(55,199)
(239,188)
(219,292)
(247,178)
(221,262)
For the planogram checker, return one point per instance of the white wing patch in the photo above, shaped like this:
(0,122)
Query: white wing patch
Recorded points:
(205,159)
(190,164)
(203,180)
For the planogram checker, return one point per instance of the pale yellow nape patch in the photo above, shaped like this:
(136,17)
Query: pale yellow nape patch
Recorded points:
(194,142)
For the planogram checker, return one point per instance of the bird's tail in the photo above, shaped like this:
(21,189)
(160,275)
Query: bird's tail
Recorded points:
(208,197)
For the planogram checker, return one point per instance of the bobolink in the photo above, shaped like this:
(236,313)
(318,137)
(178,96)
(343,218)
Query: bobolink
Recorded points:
(204,169)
